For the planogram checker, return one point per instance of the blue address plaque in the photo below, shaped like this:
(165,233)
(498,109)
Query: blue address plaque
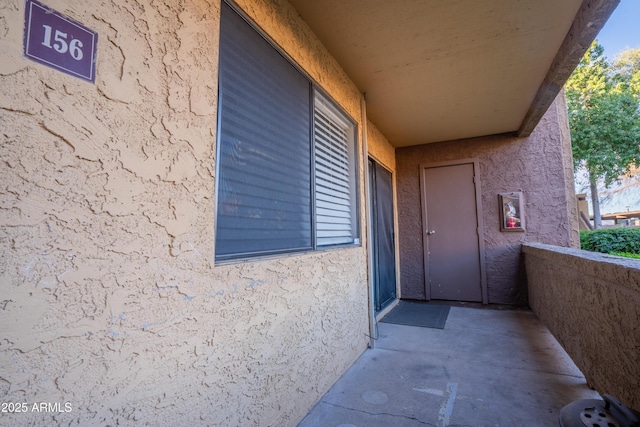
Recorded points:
(52,39)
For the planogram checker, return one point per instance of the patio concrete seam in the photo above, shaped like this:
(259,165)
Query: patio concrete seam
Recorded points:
(378,413)
(436,354)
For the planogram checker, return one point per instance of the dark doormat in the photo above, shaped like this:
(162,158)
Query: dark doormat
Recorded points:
(418,314)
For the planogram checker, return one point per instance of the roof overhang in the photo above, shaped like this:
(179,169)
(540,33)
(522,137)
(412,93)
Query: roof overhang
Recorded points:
(436,70)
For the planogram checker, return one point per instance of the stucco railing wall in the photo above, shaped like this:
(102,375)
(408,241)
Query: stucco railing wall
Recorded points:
(591,303)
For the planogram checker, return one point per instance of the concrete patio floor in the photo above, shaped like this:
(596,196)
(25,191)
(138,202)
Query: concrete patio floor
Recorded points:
(485,368)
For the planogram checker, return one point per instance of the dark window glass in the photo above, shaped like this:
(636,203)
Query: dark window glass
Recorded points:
(264,157)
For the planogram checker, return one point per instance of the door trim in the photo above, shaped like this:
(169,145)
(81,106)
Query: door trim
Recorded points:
(478,195)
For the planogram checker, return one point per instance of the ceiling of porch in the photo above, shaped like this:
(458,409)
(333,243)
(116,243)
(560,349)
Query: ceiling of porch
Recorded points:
(436,70)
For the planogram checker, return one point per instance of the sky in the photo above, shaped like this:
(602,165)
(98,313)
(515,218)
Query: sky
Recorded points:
(622,30)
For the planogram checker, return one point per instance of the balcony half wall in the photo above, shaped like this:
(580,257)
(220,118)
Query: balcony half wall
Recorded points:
(591,303)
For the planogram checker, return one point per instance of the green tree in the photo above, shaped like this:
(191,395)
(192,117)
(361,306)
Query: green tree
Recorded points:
(604,118)
(626,65)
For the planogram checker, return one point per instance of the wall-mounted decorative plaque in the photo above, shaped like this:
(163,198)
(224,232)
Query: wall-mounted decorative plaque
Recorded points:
(511,211)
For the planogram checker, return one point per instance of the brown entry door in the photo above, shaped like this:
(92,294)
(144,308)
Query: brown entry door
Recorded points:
(451,233)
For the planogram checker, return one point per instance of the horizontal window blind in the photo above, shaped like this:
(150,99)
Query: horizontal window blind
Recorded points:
(264,157)
(334,176)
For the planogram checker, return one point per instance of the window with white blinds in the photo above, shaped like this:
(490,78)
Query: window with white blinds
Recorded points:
(286,156)
(334,175)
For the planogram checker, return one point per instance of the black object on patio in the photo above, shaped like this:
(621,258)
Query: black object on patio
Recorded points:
(609,412)
(418,314)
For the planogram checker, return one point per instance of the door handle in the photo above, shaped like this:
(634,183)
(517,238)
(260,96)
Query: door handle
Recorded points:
(430,232)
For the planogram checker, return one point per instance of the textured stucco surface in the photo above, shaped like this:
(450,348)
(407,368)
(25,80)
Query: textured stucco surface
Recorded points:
(591,303)
(536,165)
(379,148)
(560,108)
(109,296)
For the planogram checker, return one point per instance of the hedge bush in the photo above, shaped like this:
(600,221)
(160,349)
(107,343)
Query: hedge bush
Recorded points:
(608,240)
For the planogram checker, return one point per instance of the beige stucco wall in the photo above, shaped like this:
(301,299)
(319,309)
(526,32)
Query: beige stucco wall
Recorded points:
(591,304)
(110,300)
(536,165)
(379,148)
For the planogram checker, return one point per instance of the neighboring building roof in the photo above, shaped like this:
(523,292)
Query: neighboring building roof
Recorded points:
(621,215)
(444,70)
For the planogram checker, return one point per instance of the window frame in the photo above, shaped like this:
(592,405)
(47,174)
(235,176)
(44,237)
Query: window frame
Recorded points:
(330,106)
